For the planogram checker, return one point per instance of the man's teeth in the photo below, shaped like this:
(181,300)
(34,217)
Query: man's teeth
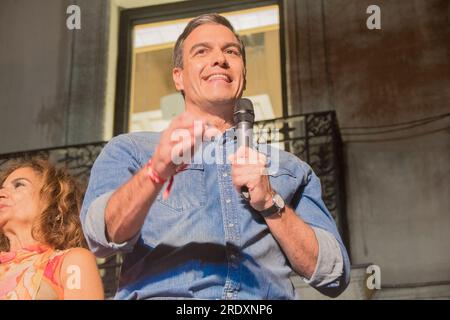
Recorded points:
(218,76)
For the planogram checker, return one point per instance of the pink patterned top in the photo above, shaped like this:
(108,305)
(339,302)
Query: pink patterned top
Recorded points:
(24,272)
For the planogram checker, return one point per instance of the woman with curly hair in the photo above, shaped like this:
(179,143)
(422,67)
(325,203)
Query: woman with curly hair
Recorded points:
(42,254)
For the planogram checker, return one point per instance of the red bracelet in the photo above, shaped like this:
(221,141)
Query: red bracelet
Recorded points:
(154,176)
(158,180)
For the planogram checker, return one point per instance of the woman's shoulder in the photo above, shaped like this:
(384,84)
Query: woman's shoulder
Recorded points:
(80,275)
(76,261)
(77,251)
(68,270)
(67,260)
(77,256)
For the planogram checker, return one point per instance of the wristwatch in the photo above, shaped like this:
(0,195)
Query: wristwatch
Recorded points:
(276,208)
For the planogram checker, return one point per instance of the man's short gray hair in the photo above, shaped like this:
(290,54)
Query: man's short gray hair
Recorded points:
(209,18)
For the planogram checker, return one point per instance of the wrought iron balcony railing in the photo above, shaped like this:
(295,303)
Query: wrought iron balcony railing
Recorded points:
(313,137)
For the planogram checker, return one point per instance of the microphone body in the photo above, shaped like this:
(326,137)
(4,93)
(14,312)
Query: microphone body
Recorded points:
(244,117)
(244,131)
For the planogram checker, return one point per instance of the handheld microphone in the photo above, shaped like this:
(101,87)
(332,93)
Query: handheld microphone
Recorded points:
(244,117)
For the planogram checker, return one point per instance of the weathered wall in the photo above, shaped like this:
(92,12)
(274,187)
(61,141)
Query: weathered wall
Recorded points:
(52,80)
(397,182)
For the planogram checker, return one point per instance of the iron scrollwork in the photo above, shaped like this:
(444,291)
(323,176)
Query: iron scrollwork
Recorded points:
(314,138)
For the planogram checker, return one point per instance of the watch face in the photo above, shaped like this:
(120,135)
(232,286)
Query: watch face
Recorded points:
(278,200)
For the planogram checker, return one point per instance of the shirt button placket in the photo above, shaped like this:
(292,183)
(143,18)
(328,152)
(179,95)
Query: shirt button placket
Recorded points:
(232,235)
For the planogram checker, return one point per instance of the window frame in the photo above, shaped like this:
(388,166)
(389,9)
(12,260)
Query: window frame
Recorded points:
(129,18)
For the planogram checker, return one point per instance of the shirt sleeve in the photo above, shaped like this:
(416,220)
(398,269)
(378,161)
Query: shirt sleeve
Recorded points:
(116,164)
(330,263)
(332,273)
(95,230)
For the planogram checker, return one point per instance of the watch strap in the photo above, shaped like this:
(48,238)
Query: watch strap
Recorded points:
(272,209)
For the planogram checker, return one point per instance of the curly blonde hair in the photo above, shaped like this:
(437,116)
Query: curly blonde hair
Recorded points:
(58,225)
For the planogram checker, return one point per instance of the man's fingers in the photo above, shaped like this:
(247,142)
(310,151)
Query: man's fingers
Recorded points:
(246,155)
(242,170)
(247,180)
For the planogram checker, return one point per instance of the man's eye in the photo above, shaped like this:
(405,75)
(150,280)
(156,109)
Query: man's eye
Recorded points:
(231,51)
(200,51)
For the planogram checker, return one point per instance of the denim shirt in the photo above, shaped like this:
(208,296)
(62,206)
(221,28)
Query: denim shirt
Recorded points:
(204,241)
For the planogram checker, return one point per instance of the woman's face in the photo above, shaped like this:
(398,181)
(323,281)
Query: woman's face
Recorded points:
(20,200)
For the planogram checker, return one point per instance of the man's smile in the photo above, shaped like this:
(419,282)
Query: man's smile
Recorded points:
(218,76)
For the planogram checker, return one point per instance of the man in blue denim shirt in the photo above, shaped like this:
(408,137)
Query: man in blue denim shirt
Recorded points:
(204,241)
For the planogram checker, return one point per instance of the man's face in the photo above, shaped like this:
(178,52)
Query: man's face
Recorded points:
(213,72)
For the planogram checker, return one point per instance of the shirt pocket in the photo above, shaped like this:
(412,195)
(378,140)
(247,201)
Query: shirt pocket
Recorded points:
(188,190)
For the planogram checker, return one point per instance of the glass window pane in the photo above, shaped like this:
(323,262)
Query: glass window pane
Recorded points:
(154,99)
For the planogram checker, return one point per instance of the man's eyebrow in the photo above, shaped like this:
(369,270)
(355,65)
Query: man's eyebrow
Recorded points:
(207,45)
(232,44)
(201,44)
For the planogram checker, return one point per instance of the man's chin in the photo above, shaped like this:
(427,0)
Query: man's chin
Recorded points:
(222,101)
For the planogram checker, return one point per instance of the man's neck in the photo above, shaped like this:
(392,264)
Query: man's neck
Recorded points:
(221,119)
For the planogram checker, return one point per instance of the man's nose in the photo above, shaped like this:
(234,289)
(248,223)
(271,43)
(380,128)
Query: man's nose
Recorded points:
(219,59)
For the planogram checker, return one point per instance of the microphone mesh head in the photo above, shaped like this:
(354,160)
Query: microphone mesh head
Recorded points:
(243,111)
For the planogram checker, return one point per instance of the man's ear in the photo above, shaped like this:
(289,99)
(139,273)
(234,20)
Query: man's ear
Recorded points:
(177,75)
